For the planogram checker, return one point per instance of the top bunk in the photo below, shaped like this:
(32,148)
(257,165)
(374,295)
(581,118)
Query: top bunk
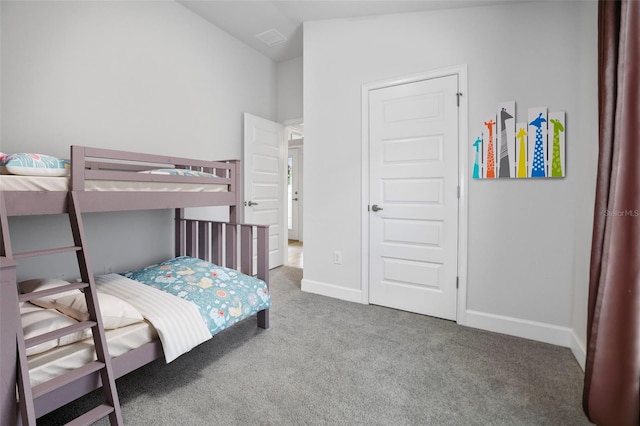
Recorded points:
(110,180)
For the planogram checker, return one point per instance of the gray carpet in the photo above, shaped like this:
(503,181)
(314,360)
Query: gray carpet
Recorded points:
(326,361)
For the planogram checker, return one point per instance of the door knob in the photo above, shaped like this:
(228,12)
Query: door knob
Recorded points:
(376,208)
(250,203)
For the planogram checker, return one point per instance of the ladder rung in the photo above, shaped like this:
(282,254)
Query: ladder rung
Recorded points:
(56,334)
(46,251)
(51,291)
(92,416)
(67,378)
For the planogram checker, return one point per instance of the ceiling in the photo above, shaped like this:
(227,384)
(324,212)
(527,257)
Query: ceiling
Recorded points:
(245,19)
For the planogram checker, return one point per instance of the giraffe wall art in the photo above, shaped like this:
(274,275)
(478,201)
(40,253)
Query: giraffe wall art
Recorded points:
(506,148)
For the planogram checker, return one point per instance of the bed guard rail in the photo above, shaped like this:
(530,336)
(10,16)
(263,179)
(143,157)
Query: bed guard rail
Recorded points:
(220,243)
(108,164)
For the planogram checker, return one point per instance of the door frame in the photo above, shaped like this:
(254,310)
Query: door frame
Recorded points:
(297,207)
(463,176)
(294,127)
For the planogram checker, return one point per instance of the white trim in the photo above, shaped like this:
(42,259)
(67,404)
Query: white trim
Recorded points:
(292,121)
(364,195)
(463,177)
(578,349)
(463,204)
(331,290)
(533,330)
(295,125)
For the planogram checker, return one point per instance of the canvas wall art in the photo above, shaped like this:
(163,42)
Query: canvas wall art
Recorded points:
(506,148)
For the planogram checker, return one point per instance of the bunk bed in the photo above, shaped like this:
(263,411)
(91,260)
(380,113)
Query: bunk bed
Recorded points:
(104,180)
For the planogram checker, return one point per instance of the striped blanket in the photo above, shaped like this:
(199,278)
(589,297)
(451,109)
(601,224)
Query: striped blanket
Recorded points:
(178,322)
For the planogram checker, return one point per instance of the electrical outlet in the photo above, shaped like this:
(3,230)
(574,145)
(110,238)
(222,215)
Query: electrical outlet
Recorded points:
(337,257)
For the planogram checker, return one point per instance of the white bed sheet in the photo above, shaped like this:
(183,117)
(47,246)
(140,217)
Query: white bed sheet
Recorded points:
(46,183)
(53,363)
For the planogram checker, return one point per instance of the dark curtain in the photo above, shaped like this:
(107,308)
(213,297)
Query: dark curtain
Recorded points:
(612,373)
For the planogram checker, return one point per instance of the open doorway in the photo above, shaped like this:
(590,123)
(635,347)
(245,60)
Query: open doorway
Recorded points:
(295,138)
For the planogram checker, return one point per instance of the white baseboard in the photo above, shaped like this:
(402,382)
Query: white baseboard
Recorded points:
(579,350)
(331,290)
(539,331)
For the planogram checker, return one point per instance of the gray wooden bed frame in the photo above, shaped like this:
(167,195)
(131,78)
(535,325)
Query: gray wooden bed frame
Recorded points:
(217,242)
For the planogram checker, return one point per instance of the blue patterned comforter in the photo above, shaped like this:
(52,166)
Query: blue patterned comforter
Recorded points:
(224,296)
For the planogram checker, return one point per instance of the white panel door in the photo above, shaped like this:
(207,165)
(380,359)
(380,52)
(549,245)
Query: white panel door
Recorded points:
(413,201)
(265,172)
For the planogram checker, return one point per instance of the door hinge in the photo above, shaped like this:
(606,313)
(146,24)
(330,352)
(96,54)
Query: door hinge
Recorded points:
(458,98)
(458,191)
(457,282)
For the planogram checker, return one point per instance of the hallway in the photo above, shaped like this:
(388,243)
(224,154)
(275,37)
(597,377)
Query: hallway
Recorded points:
(294,254)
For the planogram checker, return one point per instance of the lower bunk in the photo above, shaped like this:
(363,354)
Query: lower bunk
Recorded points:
(160,311)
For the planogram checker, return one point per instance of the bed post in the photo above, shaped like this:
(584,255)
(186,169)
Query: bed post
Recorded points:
(77,168)
(8,350)
(263,268)
(8,322)
(179,215)
(235,211)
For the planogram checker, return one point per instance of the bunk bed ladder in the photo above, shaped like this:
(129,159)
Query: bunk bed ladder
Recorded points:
(27,394)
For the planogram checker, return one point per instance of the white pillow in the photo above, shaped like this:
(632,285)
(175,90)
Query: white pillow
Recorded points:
(115,312)
(26,307)
(39,284)
(37,321)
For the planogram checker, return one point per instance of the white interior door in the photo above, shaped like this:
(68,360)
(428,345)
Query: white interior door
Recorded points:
(264,176)
(294,196)
(413,201)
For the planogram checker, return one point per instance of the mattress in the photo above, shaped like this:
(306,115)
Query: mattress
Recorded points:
(53,363)
(46,183)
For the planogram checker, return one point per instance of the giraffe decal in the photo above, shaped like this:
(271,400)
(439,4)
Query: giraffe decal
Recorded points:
(476,160)
(538,166)
(522,150)
(504,167)
(491,158)
(557,151)
(531,149)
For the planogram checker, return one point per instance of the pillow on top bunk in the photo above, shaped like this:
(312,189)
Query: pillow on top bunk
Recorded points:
(27,164)
(115,312)
(36,321)
(179,172)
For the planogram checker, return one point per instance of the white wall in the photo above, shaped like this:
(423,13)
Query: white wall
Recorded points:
(584,167)
(139,76)
(521,259)
(290,90)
